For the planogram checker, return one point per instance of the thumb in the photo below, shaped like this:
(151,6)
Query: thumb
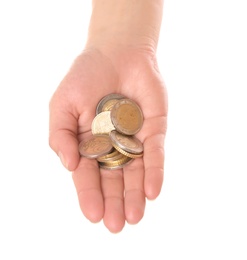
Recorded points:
(63,137)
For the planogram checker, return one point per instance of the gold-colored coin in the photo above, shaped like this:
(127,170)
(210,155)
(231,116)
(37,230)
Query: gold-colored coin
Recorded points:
(118,164)
(127,117)
(105,99)
(102,123)
(114,155)
(123,159)
(95,146)
(109,105)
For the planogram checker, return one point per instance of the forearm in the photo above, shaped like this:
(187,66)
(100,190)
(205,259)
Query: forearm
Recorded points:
(125,22)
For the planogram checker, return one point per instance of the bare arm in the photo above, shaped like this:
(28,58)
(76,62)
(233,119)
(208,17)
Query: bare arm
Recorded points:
(133,23)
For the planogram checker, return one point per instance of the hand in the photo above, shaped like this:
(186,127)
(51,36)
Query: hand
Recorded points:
(119,195)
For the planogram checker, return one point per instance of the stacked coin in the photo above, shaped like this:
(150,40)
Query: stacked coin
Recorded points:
(112,142)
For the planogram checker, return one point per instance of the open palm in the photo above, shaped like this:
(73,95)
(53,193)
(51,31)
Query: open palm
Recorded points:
(119,195)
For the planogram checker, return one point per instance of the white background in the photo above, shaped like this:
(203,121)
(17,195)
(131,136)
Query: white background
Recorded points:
(202,210)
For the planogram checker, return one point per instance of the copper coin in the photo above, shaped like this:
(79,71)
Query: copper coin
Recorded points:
(129,144)
(95,146)
(127,117)
(105,99)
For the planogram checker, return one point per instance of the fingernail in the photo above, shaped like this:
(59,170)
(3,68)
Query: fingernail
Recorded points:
(62,160)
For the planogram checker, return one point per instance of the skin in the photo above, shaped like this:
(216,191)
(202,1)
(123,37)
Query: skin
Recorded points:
(119,57)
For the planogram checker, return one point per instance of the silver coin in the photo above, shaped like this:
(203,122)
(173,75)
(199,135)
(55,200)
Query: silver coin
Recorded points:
(105,99)
(102,123)
(130,144)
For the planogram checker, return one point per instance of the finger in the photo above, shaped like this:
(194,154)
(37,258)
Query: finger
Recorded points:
(134,191)
(154,165)
(113,192)
(63,136)
(87,183)
(153,135)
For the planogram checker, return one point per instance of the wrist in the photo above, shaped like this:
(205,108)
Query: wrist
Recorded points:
(125,24)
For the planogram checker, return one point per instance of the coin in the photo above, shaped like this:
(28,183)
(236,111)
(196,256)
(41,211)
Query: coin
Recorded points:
(105,99)
(116,164)
(114,155)
(95,146)
(118,161)
(130,155)
(109,105)
(129,144)
(127,117)
(112,142)
(102,123)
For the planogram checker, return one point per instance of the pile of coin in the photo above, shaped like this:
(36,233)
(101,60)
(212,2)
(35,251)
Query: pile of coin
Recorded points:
(113,143)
